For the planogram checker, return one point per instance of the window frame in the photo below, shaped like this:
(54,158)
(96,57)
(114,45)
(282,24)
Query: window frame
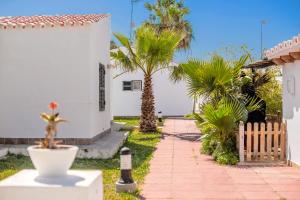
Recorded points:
(101,85)
(130,86)
(141,84)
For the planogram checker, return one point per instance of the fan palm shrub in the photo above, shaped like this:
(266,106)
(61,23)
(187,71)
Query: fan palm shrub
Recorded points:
(218,82)
(212,79)
(220,124)
(150,53)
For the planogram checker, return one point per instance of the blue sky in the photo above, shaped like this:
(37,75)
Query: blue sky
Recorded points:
(217,23)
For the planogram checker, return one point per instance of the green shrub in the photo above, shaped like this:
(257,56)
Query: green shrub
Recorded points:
(271,92)
(224,156)
(209,144)
(227,158)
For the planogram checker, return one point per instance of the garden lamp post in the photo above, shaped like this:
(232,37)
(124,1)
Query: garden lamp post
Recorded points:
(126,182)
(159,116)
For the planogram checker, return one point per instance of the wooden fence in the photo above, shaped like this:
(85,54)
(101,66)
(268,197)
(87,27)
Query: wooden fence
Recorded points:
(258,142)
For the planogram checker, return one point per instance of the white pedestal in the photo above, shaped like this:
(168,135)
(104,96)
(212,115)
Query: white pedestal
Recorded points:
(78,185)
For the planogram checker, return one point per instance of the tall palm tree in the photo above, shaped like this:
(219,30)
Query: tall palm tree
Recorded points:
(150,52)
(170,14)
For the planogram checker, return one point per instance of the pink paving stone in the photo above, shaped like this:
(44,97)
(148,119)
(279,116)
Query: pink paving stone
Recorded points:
(179,172)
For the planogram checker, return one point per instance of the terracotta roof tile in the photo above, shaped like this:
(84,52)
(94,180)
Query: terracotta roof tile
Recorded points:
(41,21)
(284,47)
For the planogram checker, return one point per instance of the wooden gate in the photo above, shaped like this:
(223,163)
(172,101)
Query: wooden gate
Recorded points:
(258,142)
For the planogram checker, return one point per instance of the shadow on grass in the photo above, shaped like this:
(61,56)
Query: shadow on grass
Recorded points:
(150,139)
(139,154)
(141,146)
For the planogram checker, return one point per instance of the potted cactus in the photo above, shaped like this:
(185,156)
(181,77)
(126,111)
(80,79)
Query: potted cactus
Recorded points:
(49,156)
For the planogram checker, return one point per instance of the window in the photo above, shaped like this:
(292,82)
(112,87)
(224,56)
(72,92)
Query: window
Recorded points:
(127,85)
(137,85)
(132,85)
(101,87)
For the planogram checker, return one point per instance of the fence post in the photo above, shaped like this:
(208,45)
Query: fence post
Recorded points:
(255,143)
(241,141)
(275,141)
(262,141)
(269,140)
(282,141)
(249,141)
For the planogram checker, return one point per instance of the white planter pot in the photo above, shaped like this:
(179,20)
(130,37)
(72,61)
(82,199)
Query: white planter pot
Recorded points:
(52,162)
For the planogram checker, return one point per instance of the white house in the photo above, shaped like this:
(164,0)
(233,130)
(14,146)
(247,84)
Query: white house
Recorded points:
(54,58)
(287,54)
(170,98)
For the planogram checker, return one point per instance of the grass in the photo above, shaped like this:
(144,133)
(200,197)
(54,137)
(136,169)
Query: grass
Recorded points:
(142,146)
(132,121)
(189,116)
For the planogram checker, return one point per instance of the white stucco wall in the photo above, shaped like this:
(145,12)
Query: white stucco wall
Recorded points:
(170,98)
(40,65)
(100,52)
(291,106)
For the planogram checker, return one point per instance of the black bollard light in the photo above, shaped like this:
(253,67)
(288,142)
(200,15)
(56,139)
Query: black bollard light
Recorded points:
(160,119)
(126,182)
(159,116)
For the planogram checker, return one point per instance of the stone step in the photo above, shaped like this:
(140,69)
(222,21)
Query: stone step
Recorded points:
(103,148)
(121,126)
(3,152)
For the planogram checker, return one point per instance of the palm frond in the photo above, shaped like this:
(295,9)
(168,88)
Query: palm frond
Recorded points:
(122,39)
(208,78)
(150,52)
(238,65)
(123,61)
(261,80)
(155,50)
(253,103)
(199,117)
(221,118)
(176,73)
(170,15)
(236,107)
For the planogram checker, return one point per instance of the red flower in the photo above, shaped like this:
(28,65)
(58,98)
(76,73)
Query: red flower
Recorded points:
(53,105)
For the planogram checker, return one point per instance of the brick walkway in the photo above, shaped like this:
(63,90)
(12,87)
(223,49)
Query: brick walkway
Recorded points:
(179,171)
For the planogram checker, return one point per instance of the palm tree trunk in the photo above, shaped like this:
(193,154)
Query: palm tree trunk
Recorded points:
(148,122)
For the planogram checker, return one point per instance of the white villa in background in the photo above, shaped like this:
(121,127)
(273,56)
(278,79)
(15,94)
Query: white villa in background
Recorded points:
(170,98)
(54,58)
(287,54)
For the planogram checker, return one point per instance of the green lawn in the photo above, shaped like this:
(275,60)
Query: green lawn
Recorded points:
(132,121)
(142,146)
